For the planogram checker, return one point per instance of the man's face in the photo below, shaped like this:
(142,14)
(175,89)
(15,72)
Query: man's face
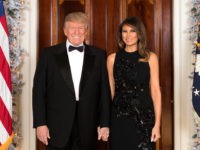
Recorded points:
(75,32)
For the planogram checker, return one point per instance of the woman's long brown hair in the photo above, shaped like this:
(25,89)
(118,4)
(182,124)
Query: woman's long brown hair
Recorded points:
(139,27)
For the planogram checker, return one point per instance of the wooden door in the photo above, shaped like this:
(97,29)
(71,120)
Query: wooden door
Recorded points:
(104,17)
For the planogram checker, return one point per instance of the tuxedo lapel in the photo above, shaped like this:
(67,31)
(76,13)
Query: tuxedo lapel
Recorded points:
(88,65)
(62,61)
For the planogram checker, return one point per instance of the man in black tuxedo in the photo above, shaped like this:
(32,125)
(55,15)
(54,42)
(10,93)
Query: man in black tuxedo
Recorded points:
(71,93)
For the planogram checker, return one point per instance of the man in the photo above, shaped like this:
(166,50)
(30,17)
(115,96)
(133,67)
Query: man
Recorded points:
(71,94)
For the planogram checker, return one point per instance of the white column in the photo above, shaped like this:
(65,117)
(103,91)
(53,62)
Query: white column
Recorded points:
(29,43)
(183,58)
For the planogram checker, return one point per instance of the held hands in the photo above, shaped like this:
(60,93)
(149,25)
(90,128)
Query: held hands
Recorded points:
(43,134)
(155,135)
(103,133)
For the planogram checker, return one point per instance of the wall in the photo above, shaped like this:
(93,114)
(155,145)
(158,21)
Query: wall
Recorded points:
(183,121)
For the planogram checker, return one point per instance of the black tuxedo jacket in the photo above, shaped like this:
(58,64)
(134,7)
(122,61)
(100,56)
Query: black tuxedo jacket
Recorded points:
(54,97)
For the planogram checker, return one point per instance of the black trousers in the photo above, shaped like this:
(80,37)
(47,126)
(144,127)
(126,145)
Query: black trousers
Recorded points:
(74,140)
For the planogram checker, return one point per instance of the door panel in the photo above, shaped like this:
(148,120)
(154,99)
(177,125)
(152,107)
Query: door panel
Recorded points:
(64,8)
(104,18)
(157,17)
(144,9)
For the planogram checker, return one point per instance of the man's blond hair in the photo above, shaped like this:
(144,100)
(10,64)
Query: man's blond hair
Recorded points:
(77,17)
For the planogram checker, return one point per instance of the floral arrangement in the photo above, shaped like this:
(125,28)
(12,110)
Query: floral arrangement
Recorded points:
(194,20)
(14,15)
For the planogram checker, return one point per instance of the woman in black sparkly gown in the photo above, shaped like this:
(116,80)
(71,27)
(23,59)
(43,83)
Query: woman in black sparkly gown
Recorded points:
(134,81)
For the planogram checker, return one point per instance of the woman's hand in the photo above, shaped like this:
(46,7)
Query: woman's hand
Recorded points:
(155,135)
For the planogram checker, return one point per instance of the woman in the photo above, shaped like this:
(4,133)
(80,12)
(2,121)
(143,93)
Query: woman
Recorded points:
(134,81)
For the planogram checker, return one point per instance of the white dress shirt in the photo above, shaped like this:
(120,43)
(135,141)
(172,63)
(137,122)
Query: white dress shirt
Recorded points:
(76,65)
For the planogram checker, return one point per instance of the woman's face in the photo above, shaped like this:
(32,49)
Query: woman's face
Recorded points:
(129,35)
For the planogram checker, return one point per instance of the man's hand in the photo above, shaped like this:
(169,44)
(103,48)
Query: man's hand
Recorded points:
(103,133)
(43,134)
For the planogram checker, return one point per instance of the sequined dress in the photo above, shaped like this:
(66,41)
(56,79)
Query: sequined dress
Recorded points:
(132,116)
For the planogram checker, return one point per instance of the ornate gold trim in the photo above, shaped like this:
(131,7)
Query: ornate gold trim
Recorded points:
(129,1)
(22,2)
(61,1)
(150,1)
(81,1)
